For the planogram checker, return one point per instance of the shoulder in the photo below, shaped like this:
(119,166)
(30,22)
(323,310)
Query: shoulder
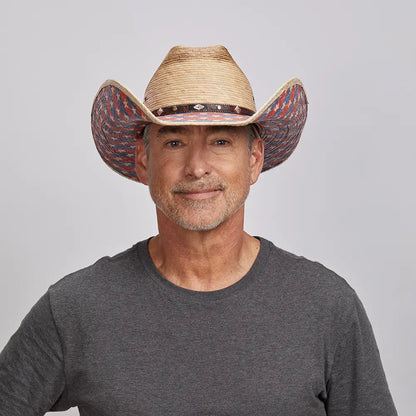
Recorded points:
(311,283)
(308,272)
(102,277)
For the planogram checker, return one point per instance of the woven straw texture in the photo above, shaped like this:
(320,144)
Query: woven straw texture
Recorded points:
(193,75)
(118,117)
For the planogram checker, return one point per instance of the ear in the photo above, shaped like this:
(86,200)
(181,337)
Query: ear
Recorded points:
(141,161)
(256,159)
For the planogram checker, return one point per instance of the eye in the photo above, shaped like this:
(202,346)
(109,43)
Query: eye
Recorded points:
(173,143)
(221,142)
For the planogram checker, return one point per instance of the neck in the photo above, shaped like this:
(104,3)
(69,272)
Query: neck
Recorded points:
(203,260)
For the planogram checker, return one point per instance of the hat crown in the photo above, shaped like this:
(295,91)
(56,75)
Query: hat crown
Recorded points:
(206,75)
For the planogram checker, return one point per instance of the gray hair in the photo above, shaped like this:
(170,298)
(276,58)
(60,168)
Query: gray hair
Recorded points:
(253,132)
(145,138)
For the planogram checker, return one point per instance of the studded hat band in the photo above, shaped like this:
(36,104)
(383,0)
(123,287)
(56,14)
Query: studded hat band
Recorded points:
(207,77)
(202,108)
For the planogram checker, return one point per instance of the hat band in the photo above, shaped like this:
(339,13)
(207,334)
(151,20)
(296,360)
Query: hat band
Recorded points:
(202,108)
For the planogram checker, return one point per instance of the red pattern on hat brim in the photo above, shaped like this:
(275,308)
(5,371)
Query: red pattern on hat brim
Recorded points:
(118,118)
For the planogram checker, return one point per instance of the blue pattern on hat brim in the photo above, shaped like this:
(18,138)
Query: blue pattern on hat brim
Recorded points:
(118,119)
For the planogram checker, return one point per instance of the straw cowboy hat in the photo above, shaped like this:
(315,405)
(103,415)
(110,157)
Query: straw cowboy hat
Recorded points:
(195,86)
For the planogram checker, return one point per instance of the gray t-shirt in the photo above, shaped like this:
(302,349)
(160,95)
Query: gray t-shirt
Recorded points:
(290,338)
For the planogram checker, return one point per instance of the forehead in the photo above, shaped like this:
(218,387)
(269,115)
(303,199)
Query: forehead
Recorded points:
(160,131)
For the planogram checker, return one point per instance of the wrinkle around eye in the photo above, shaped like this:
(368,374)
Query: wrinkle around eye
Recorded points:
(173,143)
(222,142)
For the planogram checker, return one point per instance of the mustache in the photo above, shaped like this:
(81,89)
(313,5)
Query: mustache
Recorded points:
(198,186)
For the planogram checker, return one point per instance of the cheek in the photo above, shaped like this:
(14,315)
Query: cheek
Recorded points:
(161,174)
(239,171)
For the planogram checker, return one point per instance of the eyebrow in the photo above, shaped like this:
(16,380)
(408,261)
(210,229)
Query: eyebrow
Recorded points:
(225,129)
(171,130)
(183,129)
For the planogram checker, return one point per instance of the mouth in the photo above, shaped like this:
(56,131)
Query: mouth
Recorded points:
(199,194)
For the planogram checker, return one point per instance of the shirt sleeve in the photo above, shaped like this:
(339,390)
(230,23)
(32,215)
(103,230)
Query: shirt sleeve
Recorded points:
(357,385)
(32,377)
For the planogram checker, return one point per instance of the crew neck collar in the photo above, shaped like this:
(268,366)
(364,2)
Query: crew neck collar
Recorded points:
(203,296)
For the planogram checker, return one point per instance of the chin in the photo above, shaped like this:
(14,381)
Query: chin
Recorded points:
(199,217)
(199,226)
(199,223)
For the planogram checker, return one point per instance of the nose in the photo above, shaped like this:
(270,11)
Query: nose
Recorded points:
(197,164)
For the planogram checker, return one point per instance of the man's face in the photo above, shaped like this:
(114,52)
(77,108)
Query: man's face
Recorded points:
(199,176)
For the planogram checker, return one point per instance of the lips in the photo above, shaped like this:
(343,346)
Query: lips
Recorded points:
(198,191)
(199,194)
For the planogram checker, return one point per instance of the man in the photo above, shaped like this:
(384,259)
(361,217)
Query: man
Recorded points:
(202,319)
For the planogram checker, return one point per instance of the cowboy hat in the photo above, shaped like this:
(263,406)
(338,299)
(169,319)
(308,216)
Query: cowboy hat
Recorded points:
(195,86)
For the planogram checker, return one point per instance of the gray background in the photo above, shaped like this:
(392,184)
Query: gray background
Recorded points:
(345,198)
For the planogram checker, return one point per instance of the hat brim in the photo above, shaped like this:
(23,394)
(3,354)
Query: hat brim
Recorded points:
(118,117)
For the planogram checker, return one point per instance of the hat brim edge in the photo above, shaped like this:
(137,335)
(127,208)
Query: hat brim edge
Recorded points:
(151,118)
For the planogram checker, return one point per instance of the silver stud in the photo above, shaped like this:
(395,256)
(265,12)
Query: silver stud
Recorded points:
(160,111)
(199,107)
